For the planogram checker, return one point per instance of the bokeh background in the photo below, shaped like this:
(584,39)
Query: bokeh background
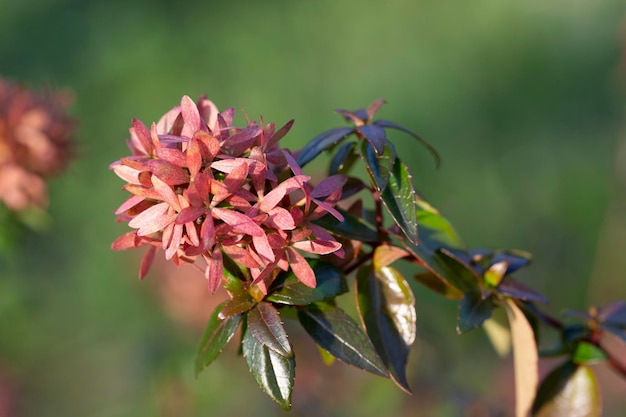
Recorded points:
(524,101)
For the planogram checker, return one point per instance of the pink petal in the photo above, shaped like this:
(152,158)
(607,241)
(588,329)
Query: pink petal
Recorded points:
(207,233)
(165,191)
(210,146)
(141,135)
(240,222)
(301,268)
(320,247)
(236,177)
(168,172)
(191,116)
(292,162)
(280,134)
(190,214)
(208,111)
(280,218)
(152,219)
(228,165)
(263,248)
(329,185)
(128,174)
(126,241)
(177,235)
(241,256)
(192,234)
(166,122)
(131,202)
(173,156)
(142,191)
(214,270)
(194,159)
(329,209)
(276,195)
(146,262)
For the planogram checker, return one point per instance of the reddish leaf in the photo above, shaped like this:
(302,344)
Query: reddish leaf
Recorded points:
(152,220)
(319,247)
(301,268)
(191,116)
(168,172)
(240,222)
(214,269)
(173,156)
(140,132)
(146,262)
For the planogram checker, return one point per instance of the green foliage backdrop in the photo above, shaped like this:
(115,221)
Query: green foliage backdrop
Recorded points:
(524,101)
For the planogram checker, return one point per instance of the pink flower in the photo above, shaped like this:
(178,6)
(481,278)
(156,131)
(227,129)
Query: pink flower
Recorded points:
(203,188)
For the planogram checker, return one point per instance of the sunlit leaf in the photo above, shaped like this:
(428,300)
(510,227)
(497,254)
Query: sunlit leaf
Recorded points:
(474,309)
(586,353)
(387,308)
(266,325)
(322,142)
(216,336)
(569,390)
(273,372)
(335,331)
(287,289)
(434,282)
(238,304)
(525,359)
(499,334)
(400,199)
(387,254)
(378,165)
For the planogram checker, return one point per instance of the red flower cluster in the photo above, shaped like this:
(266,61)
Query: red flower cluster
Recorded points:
(35,142)
(203,188)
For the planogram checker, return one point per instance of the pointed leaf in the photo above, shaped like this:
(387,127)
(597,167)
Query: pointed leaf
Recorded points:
(216,336)
(343,159)
(351,227)
(516,289)
(379,166)
(586,353)
(569,390)
(265,324)
(335,331)
(474,310)
(237,305)
(273,372)
(393,125)
(287,289)
(525,359)
(434,282)
(400,199)
(387,309)
(322,142)
(375,135)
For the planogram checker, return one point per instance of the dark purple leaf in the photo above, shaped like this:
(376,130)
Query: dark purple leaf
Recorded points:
(335,331)
(343,159)
(393,125)
(351,227)
(516,289)
(375,135)
(474,309)
(322,142)
(273,372)
(287,289)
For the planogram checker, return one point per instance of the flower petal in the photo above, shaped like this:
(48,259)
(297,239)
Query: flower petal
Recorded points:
(152,219)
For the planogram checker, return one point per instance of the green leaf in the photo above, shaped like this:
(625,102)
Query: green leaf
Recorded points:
(525,359)
(237,305)
(273,372)
(474,310)
(400,199)
(587,353)
(234,277)
(435,230)
(460,275)
(435,283)
(335,331)
(351,227)
(387,307)
(378,165)
(266,325)
(322,142)
(287,289)
(569,390)
(216,336)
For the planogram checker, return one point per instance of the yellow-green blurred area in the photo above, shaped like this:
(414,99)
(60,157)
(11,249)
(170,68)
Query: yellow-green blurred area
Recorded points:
(524,101)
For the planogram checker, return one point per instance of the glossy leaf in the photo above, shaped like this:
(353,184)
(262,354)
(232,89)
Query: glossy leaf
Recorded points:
(266,325)
(322,142)
(343,159)
(400,199)
(435,230)
(335,331)
(458,273)
(473,310)
(287,289)
(569,390)
(234,277)
(586,353)
(525,359)
(393,125)
(387,309)
(440,286)
(378,165)
(351,227)
(516,289)
(386,255)
(273,372)
(216,336)
(238,304)
(375,135)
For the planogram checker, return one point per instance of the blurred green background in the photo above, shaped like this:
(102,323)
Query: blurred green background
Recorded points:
(523,100)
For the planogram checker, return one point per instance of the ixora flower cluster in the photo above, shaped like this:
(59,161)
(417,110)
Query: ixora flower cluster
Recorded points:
(35,143)
(202,187)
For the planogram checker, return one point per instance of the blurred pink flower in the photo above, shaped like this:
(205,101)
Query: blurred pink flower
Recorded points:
(203,188)
(35,143)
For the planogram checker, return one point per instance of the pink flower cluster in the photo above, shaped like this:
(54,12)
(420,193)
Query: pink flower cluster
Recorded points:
(202,188)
